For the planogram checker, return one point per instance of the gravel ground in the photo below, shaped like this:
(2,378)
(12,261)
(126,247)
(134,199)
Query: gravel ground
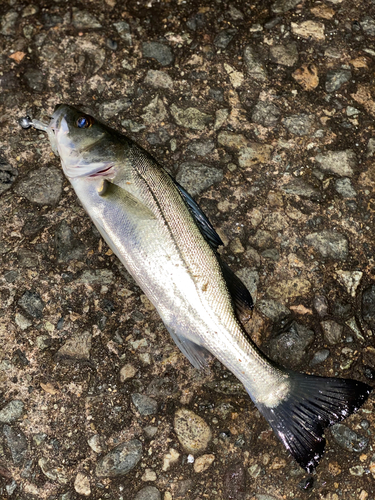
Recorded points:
(265,111)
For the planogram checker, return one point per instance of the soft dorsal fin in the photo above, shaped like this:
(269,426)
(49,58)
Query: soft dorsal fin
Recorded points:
(203,223)
(242,301)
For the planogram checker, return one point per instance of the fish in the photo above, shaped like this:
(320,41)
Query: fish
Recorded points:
(170,248)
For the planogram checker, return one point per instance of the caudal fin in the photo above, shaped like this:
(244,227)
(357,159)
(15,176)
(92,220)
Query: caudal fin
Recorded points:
(313,404)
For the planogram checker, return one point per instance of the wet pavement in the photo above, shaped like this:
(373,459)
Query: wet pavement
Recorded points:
(265,112)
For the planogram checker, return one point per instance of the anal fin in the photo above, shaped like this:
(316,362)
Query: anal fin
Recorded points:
(196,354)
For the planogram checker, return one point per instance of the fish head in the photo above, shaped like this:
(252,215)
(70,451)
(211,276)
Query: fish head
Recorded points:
(86,146)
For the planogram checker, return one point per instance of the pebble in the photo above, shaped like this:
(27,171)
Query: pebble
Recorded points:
(21,321)
(201,148)
(368,305)
(195,177)
(250,279)
(127,371)
(319,357)
(149,475)
(12,411)
(299,124)
(253,154)
(311,30)
(266,114)
(256,68)
(67,246)
(235,482)
(148,493)
(77,347)
(96,277)
(203,463)
(82,19)
(8,175)
(158,79)
(155,50)
(8,23)
(192,431)
(289,288)
(223,39)
(119,461)
(337,162)
(282,6)
(221,117)
(272,309)
(344,187)
(170,458)
(144,404)
(262,239)
(232,140)
(32,303)
(301,188)
(336,79)
(27,258)
(348,439)
(330,244)
(289,347)
(191,118)
(53,473)
(82,484)
(368,26)
(350,279)
(163,386)
(285,55)
(123,29)
(332,331)
(42,186)
(95,443)
(17,443)
(114,108)
(155,112)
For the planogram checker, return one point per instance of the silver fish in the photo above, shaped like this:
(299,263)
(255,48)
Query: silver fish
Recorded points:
(168,245)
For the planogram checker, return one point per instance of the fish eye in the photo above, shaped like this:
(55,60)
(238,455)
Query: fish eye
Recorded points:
(84,122)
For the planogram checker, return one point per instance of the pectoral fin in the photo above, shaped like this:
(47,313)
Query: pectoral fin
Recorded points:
(131,205)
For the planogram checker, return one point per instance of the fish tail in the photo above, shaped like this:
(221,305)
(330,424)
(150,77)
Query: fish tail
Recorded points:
(313,403)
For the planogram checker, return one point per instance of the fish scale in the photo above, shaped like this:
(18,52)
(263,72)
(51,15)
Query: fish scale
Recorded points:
(169,247)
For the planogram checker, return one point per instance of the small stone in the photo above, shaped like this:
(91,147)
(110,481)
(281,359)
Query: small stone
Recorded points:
(32,303)
(368,305)
(77,347)
(201,148)
(148,493)
(256,68)
(254,154)
(250,279)
(235,482)
(8,23)
(282,6)
(266,114)
(191,118)
(96,277)
(262,239)
(289,347)
(82,19)
(53,473)
(82,484)
(337,78)
(170,458)
(301,188)
(123,29)
(319,357)
(309,29)
(332,331)
(158,79)
(8,175)
(42,186)
(368,26)
(337,162)
(231,140)
(348,439)
(255,470)
(67,246)
(195,177)
(272,309)
(11,412)
(236,77)
(155,112)
(119,461)
(155,50)
(357,470)
(330,244)
(276,221)
(344,187)
(27,258)
(350,111)
(221,117)
(114,108)
(289,288)
(95,443)
(150,431)
(307,76)
(299,124)
(17,443)
(149,475)
(144,404)
(22,322)
(350,279)
(223,39)
(321,305)
(192,431)
(127,371)
(285,55)
(203,463)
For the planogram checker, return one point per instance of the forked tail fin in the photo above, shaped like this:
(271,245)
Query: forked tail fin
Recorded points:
(313,404)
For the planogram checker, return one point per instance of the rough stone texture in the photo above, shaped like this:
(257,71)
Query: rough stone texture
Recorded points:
(329,244)
(337,162)
(256,68)
(192,431)
(190,117)
(368,305)
(337,78)
(32,303)
(332,331)
(155,50)
(266,114)
(348,439)
(8,175)
(42,186)
(144,404)
(119,461)
(196,177)
(17,444)
(289,347)
(299,124)
(11,412)
(148,493)
(77,347)
(286,55)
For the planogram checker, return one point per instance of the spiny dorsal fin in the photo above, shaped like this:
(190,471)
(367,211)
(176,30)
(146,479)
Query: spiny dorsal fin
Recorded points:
(203,223)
